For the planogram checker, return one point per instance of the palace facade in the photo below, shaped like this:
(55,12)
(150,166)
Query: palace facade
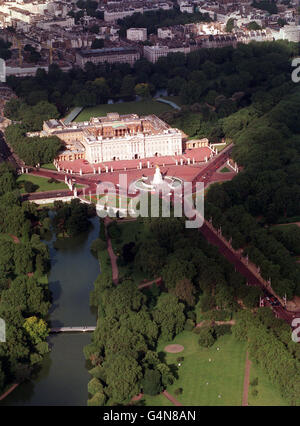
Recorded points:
(115,137)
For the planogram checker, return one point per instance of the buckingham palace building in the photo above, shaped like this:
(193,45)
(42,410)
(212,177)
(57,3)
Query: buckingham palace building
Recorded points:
(115,137)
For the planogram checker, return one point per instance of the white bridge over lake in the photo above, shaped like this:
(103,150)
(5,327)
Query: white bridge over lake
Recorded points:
(72,329)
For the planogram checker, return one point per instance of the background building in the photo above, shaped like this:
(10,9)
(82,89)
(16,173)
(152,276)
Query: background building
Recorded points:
(116,54)
(137,34)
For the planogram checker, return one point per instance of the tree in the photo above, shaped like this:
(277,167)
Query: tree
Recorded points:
(185,291)
(151,382)
(142,90)
(169,316)
(6,257)
(23,258)
(97,246)
(97,400)
(123,376)
(253,26)
(120,300)
(229,25)
(206,337)
(94,386)
(150,257)
(128,87)
(12,108)
(37,329)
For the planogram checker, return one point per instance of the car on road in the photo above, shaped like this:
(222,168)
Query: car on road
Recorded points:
(274,301)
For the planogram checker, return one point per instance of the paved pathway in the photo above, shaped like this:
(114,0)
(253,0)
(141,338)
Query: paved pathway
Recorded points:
(113,257)
(246,381)
(212,322)
(149,283)
(8,391)
(171,398)
(15,238)
(137,397)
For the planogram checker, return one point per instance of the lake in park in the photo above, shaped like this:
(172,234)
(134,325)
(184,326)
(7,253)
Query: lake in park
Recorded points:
(63,377)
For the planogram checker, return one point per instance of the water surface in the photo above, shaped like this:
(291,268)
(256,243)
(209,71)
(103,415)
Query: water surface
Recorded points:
(63,377)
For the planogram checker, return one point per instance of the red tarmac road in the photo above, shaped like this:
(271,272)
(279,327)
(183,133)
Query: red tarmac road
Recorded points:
(212,238)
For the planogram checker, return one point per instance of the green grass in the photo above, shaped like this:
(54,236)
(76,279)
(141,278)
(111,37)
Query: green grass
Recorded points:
(109,199)
(268,394)
(43,184)
(225,170)
(105,264)
(221,147)
(224,374)
(284,220)
(158,400)
(49,166)
(139,107)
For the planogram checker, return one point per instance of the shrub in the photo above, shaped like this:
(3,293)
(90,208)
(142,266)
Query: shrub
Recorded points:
(206,337)
(94,386)
(220,330)
(254,382)
(178,391)
(29,186)
(114,230)
(102,230)
(189,325)
(52,180)
(254,392)
(192,315)
(97,400)
(152,382)
(98,245)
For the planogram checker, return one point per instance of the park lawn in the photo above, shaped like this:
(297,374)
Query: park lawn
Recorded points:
(43,184)
(139,107)
(220,147)
(224,374)
(111,200)
(225,170)
(49,166)
(157,400)
(268,394)
(104,261)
